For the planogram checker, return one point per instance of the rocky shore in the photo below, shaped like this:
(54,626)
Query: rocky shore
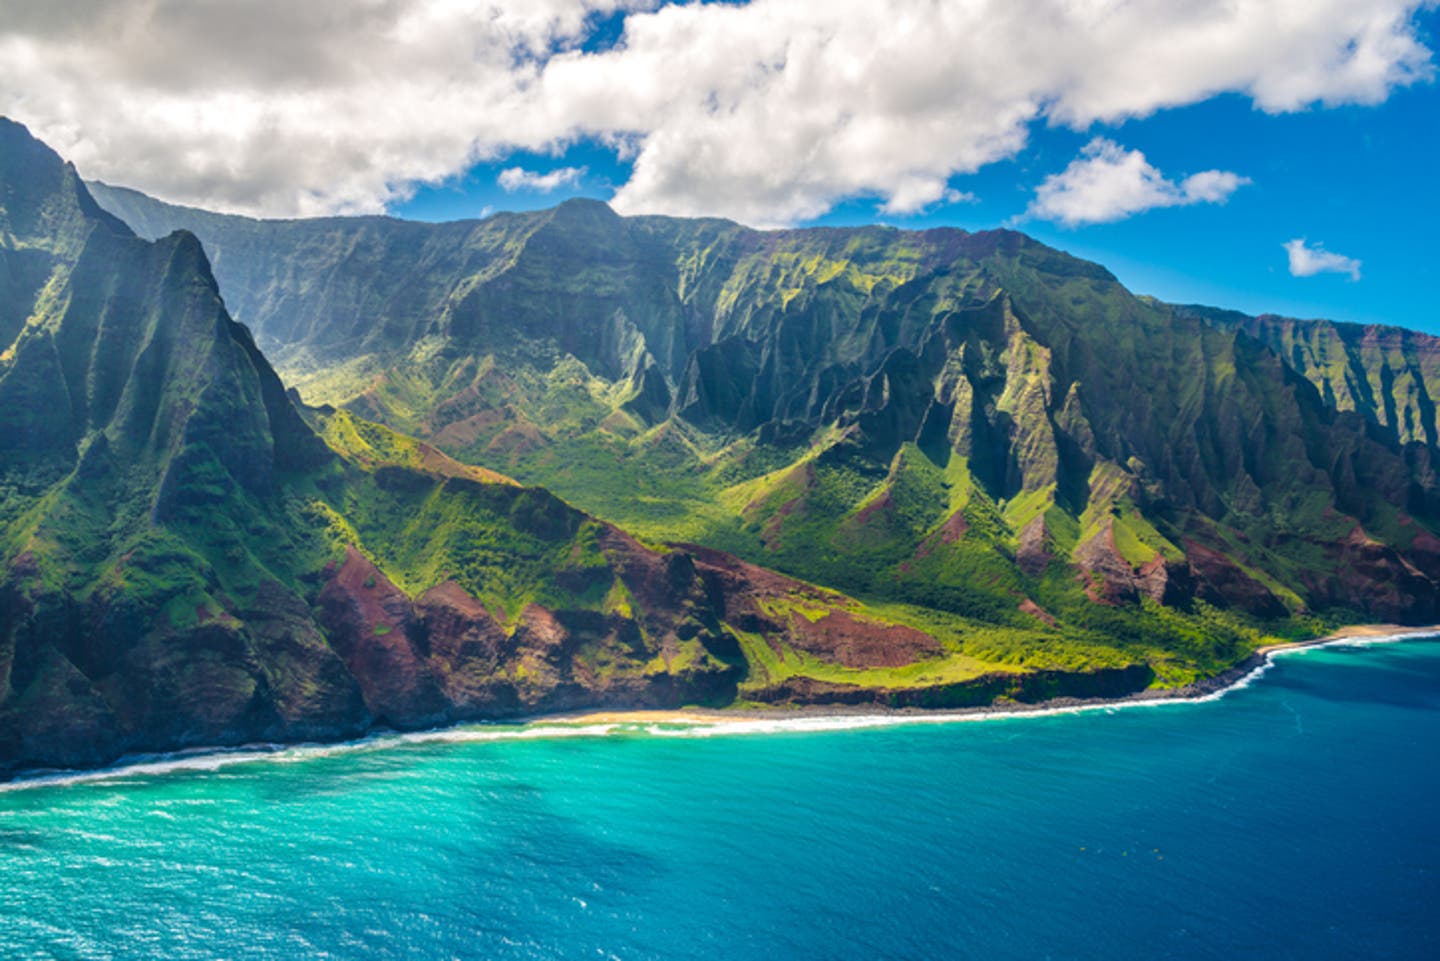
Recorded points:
(1208,687)
(763,718)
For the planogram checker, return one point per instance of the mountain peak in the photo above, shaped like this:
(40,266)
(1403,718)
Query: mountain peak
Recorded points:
(584,203)
(584,210)
(43,201)
(109,333)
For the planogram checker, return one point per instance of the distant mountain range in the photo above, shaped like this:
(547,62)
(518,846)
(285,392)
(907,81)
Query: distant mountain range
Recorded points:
(858,466)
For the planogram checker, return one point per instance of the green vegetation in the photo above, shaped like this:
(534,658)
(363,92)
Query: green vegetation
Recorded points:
(975,426)
(986,470)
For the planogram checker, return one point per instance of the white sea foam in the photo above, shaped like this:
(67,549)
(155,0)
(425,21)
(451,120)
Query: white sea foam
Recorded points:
(127,768)
(211,760)
(1359,640)
(206,760)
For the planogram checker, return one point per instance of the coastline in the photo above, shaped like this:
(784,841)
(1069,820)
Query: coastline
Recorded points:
(1205,689)
(729,720)
(1356,632)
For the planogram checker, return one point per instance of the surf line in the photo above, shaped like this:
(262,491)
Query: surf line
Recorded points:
(695,724)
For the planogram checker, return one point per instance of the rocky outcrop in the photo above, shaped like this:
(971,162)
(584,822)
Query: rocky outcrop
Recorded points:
(1377,580)
(1023,688)
(374,628)
(1221,581)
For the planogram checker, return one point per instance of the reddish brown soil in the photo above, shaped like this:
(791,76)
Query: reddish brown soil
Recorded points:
(954,527)
(371,624)
(842,638)
(1033,552)
(1222,582)
(437,462)
(880,505)
(467,430)
(1098,557)
(1028,606)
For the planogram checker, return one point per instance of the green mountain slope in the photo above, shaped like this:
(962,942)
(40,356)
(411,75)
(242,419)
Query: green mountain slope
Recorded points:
(1389,375)
(972,424)
(188,558)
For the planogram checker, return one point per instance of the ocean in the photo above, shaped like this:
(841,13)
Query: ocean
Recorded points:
(1295,817)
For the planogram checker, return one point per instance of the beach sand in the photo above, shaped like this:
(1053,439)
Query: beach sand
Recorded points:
(760,720)
(1354,632)
(1207,688)
(675,716)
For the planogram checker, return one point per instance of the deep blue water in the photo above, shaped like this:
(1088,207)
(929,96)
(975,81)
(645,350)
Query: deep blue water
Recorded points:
(1295,818)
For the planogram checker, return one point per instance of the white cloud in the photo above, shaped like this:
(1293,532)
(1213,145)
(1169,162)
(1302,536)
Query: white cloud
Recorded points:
(518,178)
(768,112)
(279,107)
(1108,182)
(911,197)
(1307,261)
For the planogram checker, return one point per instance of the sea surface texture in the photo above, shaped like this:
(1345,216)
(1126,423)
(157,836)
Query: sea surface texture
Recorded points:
(1294,818)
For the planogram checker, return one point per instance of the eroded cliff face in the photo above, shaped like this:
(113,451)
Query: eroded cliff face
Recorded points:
(1390,376)
(191,560)
(1028,482)
(135,413)
(444,656)
(906,415)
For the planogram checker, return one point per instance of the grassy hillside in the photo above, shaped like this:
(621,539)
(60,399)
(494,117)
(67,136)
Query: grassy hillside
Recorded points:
(188,557)
(971,424)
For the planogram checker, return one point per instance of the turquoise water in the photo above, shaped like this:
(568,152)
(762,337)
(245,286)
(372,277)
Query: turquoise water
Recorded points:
(1295,818)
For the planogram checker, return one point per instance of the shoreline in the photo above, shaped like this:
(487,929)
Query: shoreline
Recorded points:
(1201,690)
(694,720)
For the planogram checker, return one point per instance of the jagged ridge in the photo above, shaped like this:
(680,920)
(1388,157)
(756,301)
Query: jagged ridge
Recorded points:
(1389,375)
(972,423)
(189,560)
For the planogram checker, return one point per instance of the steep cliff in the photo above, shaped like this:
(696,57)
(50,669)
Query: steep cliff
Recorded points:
(1389,375)
(969,423)
(188,558)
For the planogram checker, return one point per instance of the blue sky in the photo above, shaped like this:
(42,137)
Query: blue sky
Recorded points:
(1182,144)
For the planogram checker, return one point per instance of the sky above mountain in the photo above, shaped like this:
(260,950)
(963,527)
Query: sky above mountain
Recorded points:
(1269,155)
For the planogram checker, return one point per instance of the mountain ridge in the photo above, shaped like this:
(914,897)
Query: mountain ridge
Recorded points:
(1390,375)
(711,356)
(187,558)
(1275,330)
(980,468)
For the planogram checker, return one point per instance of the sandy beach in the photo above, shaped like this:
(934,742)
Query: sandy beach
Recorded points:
(1355,632)
(759,720)
(675,716)
(1206,688)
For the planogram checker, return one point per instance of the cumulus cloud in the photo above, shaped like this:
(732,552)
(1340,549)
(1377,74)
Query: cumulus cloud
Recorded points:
(1307,261)
(768,112)
(278,107)
(916,196)
(1108,182)
(518,178)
